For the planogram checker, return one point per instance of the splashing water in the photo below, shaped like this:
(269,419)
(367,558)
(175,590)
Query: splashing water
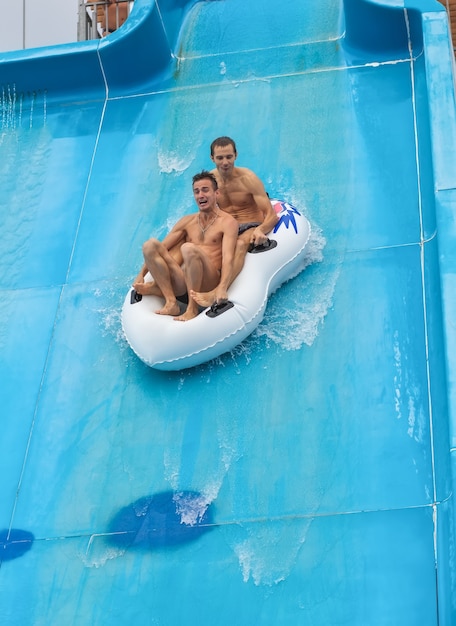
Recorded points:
(171,163)
(13,105)
(191,507)
(295,313)
(268,553)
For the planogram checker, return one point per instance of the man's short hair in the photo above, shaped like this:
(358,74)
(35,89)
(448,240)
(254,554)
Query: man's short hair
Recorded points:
(222,142)
(205,174)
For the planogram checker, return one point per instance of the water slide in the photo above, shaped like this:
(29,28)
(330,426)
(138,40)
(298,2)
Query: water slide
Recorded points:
(305,477)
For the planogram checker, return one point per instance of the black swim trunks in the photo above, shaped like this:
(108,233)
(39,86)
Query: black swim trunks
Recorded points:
(247,226)
(183,299)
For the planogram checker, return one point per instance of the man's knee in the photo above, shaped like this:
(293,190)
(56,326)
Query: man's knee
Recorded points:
(189,251)
(242,246)
(150,247)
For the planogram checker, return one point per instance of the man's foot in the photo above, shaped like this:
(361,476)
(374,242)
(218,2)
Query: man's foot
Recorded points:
(147,289)
(185,317)
(204,299)
(169,309)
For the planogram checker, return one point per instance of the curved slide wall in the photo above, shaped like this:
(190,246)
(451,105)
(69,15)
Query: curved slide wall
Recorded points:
(305,477)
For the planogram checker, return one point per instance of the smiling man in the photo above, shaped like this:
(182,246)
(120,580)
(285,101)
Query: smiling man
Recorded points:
(242,195)
(207,241)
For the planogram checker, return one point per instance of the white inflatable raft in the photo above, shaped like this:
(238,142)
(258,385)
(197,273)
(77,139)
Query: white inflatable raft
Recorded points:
(165,344)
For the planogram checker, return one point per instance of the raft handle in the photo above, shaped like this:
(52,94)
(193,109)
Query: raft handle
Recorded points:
(135,297)
(263,247)
(217,309)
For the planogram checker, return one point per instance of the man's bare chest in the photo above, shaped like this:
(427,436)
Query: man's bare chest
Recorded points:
(236,198)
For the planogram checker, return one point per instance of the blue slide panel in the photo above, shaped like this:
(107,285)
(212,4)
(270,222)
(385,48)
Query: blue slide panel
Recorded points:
(307,476)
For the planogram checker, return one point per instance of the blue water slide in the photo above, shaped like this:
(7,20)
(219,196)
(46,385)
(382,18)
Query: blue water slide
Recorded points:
(305,477)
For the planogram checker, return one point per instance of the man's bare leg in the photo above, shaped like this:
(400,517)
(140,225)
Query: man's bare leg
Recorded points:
(207,298)
(151,288)
(168,275)
(189,313)
(199,273)
(147,289)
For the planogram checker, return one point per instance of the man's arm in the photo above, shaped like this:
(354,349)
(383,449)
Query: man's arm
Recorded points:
(178,233)
(140,277)
(262,201)
(230,234)
(175,237)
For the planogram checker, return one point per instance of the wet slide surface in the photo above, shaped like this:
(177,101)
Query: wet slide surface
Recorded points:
(302,478)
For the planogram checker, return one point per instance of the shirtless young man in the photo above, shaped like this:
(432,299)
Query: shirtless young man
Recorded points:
(112,15)
(242,195)
(207,241)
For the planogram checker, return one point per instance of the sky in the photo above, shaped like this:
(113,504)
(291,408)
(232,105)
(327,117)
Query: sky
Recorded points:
(36,23)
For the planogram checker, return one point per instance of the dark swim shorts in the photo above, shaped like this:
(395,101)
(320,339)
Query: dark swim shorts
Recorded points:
(243,227)
(183,299)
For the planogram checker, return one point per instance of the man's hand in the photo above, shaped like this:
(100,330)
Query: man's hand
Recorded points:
(258,237)
(140,287)
(138,280)
(221,295)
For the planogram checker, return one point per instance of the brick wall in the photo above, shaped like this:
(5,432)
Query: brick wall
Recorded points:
(451,8)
